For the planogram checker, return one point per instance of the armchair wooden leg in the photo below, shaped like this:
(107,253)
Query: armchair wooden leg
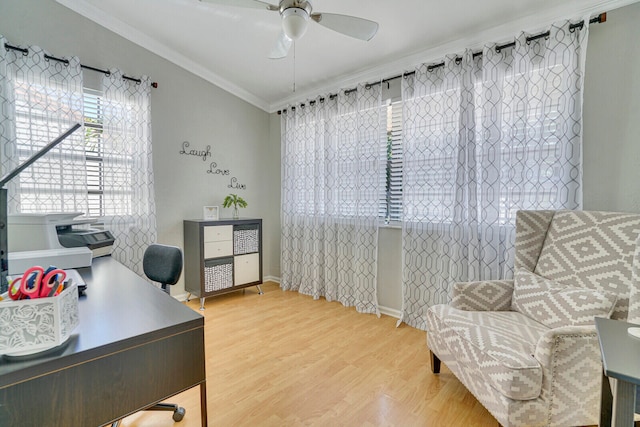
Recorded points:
(435,363)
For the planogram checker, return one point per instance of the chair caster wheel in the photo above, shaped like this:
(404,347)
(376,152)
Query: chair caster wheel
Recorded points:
(178,415)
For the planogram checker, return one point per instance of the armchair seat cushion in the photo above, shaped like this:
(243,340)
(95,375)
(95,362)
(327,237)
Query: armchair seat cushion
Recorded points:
(498,345)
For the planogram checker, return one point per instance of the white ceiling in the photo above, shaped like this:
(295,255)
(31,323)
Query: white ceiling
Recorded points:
(228,45)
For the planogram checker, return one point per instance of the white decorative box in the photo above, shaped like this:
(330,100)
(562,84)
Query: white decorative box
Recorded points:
(34,325)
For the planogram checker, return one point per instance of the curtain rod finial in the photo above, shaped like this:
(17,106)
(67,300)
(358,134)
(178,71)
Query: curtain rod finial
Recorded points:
(154,85)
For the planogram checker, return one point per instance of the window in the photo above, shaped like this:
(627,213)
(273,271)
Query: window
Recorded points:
(526,162)
(391,201)
(108,170)
(354,175)
(530,153)
(429,191)
(432,161)
(36,184)
(93,130)
(48,185)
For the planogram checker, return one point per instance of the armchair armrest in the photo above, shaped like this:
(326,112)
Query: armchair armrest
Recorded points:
(576,339)
(572,373)
(489,295)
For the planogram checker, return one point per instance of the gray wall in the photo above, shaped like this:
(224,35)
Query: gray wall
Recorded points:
(612,113)
(275,190)
(184,108)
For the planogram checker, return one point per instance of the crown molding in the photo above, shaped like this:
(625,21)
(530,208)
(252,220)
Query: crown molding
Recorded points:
(504,33)
(128,32)
(395,66)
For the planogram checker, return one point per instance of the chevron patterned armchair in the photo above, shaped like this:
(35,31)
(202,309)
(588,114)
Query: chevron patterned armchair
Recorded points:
(527,348)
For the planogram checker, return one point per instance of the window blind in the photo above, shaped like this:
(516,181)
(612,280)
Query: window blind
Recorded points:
(93,130)
(42,187)
(391,201)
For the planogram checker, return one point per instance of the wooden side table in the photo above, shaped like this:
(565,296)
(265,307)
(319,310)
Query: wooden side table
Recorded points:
(620,360)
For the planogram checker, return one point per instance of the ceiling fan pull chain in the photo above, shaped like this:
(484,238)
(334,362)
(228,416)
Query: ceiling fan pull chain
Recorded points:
(294,66)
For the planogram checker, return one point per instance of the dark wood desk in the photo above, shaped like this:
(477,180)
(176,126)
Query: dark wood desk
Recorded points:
(135,346)
(620,354)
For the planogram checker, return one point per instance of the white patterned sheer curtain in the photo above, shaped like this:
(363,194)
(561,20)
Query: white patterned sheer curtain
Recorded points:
(39,100)
(331,184)
(129,198)
(483,138)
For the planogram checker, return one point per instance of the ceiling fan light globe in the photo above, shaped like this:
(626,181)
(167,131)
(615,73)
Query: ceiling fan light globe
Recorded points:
(294,22)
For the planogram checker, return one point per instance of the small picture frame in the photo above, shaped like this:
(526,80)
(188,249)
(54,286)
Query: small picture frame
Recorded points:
(211,213)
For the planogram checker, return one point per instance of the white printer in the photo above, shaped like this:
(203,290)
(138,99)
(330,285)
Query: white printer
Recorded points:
(54,239)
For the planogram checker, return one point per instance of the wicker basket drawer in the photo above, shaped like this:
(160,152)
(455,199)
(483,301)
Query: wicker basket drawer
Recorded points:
(245,240)
(218,274)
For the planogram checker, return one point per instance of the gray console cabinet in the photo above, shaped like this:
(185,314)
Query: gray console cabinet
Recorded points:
(222,256)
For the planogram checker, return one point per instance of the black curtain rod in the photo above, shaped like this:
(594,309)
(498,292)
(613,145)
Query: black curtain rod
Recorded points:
(25,51)
(572,27)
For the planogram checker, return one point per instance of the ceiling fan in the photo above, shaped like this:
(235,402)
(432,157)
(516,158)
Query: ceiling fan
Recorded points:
(295,15)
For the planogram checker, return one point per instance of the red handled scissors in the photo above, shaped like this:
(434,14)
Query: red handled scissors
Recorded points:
(52,282)
(38,283)
(27,286)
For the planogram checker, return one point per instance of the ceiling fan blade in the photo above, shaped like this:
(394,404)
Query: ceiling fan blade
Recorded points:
(281,49)
(358,28)
(254,4)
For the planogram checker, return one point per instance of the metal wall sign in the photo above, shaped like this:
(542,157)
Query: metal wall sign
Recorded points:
(214,168)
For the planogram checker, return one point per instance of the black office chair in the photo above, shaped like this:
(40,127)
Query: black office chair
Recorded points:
(163,263)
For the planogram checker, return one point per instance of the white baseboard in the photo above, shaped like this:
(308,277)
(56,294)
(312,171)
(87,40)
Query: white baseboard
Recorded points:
(271,279)
(390,311)
(181,297)
(383,310)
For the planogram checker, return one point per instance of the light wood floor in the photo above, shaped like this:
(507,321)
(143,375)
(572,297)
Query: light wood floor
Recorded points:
(283,359)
